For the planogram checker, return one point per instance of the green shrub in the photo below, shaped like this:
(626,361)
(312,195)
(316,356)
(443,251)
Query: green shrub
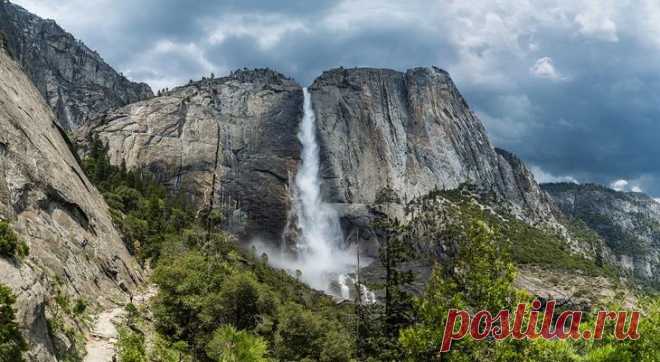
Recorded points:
(298,335)
(301,335)
(531,245)
(130,346)
(10,245)
(80,307)
(231,345)
(242,301)
(165,351)
(140,206)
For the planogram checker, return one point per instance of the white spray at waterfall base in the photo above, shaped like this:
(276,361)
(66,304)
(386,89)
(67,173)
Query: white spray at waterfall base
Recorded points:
(321,254)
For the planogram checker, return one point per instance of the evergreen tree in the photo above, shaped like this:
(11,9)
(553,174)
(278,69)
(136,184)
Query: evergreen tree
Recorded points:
(395,251)
(231,345)
(12,343)
(479,277)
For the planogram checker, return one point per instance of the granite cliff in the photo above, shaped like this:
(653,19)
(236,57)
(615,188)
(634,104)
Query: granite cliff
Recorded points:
(228,143)
(411,132)
(232,140)
(74,80)
(75,251)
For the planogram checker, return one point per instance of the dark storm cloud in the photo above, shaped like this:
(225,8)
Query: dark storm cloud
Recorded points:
(305,56)
(600,124)
(574,89)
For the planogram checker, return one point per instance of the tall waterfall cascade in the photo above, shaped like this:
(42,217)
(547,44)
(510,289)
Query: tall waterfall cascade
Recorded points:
(324,258)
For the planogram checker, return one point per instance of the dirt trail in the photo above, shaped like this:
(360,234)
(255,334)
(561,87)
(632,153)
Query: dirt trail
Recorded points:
(103,337)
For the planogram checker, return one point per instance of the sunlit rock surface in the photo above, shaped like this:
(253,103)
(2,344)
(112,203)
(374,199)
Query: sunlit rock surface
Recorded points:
(74,248)
(411,132)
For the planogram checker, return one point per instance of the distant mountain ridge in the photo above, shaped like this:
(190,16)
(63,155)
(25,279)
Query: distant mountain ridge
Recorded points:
(75,81)
(628,222)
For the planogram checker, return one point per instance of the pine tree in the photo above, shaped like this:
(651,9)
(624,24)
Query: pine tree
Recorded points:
(480,276)
(395,250)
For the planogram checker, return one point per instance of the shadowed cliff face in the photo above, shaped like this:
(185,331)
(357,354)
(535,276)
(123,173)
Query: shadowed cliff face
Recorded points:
(77,84)
(46,197)
(411,132)
(628,222)
(229,143)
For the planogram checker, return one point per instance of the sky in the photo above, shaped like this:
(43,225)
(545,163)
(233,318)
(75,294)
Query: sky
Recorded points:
(572,87)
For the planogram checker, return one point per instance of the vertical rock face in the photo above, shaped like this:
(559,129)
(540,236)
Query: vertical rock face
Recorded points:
(519,187)
(77,84)
(411,132)
(47,199)
(230,143)
(629,222)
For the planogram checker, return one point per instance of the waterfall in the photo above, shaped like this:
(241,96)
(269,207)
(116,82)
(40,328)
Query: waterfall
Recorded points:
(320,244)
(321,234)
(321,254)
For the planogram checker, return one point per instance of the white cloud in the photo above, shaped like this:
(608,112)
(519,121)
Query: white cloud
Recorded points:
(179,55)
(503,130)
(491,40)
(544,177)
(545,68)
(629,185)
(185,50)
(351,16)
(596,19)
(79,17)
(619,185)
(267,30)
(647,28)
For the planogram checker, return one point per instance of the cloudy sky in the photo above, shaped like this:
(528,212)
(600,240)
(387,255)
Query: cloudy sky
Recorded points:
(573,87)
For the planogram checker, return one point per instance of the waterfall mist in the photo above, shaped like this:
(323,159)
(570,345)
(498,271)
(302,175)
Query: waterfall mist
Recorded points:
(321,253)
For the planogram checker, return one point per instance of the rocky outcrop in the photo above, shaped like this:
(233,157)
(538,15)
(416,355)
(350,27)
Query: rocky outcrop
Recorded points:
(573,289)
(628,222)
(411,132)
(74,249)
(229,143)
(77,84)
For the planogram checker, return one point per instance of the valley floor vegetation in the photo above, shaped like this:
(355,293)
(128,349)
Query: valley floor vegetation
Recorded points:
(218,301)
